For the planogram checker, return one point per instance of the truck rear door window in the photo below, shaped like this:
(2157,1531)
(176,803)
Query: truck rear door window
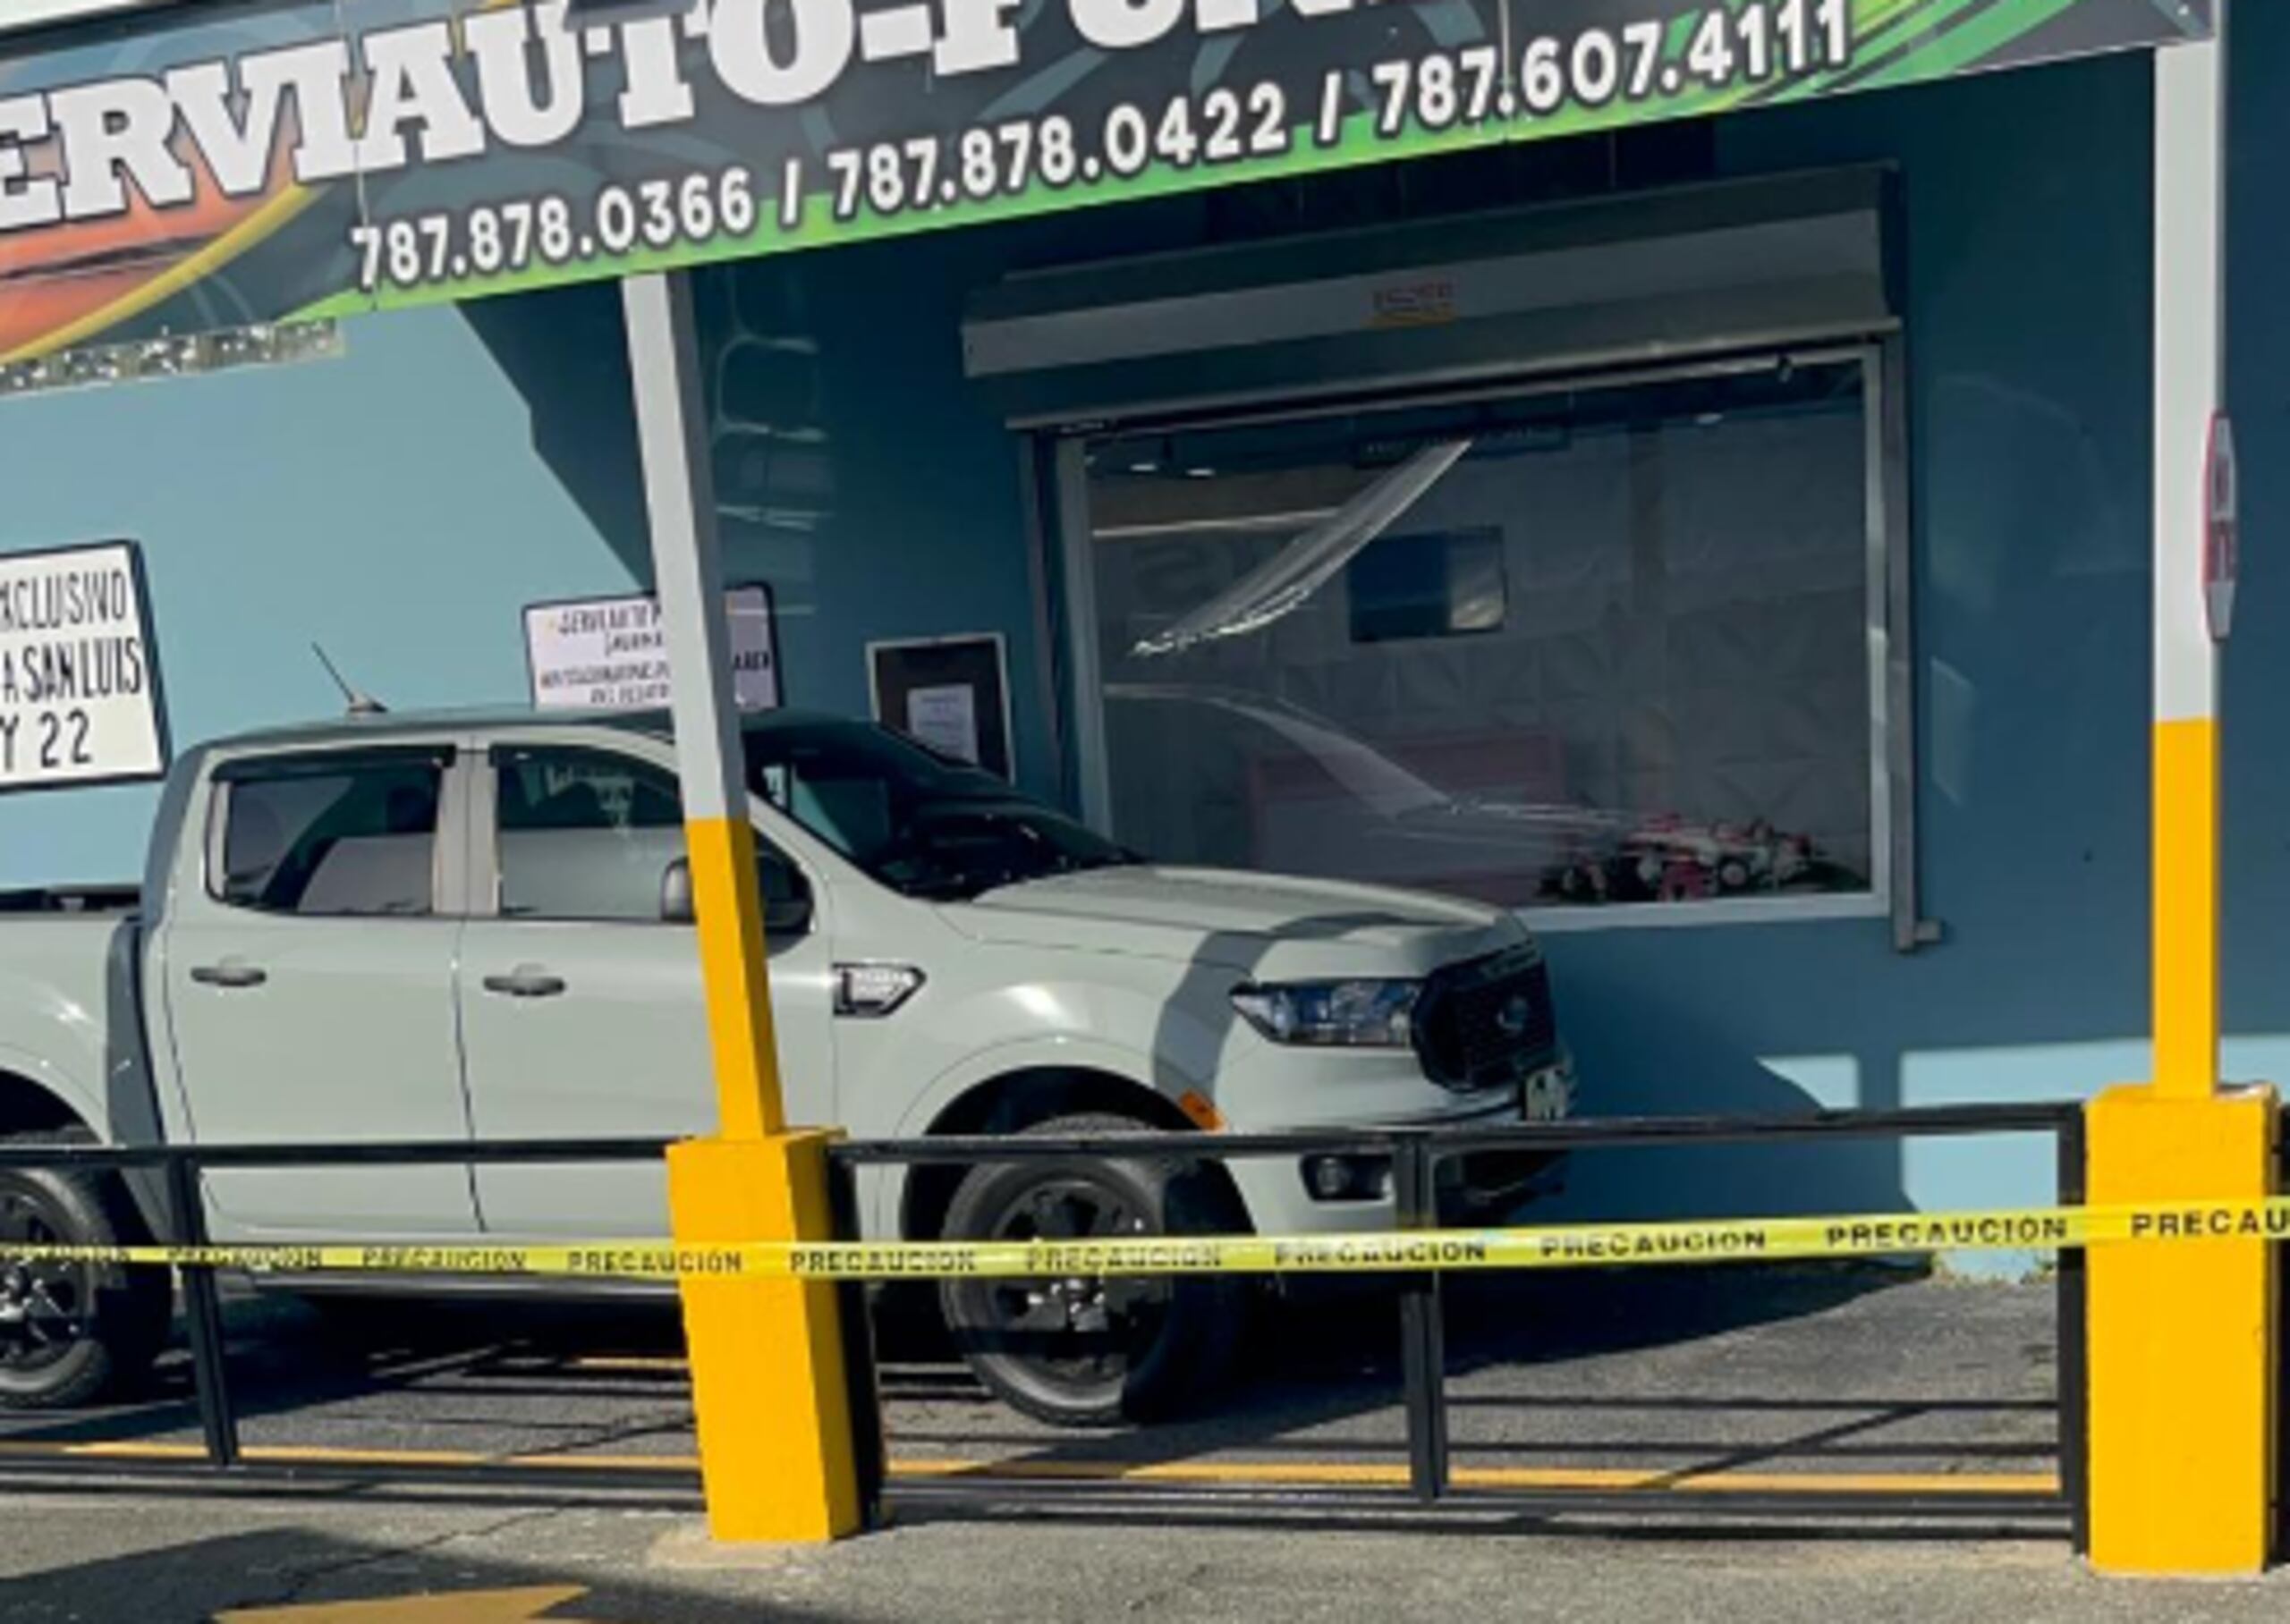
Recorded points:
(357,839)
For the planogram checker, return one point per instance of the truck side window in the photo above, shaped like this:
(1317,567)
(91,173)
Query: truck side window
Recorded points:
(356,839)
(583,834)
(588,835)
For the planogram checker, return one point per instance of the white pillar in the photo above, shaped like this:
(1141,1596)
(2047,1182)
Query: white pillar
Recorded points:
(2189,325)
(680,502)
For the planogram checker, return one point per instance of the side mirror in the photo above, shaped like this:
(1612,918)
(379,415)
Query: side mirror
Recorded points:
(785,916)
(782,916)
(675,895)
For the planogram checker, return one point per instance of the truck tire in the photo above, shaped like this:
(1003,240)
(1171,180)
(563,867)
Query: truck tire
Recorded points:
(71,1333)
(1094,1353)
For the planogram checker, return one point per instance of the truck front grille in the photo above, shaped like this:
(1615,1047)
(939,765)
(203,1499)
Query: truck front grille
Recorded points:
(1485,1022)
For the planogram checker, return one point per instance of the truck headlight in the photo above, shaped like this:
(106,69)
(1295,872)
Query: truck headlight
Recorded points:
(1332,1014)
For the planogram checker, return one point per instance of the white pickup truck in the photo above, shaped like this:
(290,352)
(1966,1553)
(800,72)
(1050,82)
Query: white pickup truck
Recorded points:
(453,927)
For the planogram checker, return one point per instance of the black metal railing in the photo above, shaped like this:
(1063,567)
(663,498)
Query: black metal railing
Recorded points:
(177,1169)
(1416,1157)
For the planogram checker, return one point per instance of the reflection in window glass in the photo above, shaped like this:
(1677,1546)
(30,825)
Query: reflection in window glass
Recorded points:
(360,840)
(1595,646)
(1445,585)
(917,822)
(585,835)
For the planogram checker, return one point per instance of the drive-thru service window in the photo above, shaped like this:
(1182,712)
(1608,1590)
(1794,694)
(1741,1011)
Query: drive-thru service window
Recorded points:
(1577,644)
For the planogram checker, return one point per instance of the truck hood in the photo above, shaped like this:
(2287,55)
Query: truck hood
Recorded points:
(1270,927)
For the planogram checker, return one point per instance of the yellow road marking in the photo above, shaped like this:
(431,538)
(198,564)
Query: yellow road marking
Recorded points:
(1313,1474)
(1368,1475)
(454,1607)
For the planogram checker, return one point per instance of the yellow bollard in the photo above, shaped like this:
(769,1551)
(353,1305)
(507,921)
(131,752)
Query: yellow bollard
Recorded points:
(2183,1340)
(768,1373)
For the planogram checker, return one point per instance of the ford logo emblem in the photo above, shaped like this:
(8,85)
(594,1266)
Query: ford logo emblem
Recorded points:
(1515,1016)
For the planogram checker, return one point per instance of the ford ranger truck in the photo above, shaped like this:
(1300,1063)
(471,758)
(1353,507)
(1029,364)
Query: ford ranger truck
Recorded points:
(450,927)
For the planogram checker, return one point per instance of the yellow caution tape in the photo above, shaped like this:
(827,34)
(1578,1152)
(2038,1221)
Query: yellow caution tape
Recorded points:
(1557,1247)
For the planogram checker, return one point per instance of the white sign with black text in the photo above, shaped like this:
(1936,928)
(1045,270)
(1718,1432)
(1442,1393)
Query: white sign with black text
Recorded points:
(79,677)
(611,652)
(945,718)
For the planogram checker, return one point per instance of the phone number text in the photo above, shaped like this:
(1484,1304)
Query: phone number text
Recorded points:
(1720,47)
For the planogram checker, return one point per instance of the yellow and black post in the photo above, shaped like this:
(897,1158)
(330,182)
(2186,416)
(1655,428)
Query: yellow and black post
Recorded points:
(768,1373)
(2183,1337)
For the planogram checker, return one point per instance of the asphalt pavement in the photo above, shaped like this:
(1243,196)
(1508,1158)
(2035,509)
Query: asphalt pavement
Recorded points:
(270,1562)
(1739,1376)
(1813,1369)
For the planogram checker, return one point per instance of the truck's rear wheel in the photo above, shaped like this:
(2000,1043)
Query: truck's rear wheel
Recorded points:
(1082,1352)
(71,1331)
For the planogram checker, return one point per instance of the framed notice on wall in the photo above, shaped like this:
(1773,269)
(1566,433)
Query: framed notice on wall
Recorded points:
(610,653)
(952,694)
(79,697)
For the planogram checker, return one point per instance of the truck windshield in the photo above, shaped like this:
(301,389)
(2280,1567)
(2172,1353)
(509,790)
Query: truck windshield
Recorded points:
(918,822)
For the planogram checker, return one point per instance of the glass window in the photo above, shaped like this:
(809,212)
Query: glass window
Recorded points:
(348,838)
(1449,584)
(589,835)
(918,823)
(584,834)
(1596,645)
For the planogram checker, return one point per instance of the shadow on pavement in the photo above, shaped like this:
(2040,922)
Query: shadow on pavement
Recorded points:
(252,1574)
(1326,1358)
(287,1355)
(1323,1383)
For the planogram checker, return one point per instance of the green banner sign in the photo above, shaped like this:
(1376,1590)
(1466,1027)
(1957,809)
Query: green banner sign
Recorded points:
(262,164)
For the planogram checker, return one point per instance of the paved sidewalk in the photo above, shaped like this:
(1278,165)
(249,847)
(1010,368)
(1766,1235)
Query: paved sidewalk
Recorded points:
(162,1560)
(1823,1371)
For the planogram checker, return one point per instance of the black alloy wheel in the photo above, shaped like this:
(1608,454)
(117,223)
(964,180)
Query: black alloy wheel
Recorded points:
(72,1331)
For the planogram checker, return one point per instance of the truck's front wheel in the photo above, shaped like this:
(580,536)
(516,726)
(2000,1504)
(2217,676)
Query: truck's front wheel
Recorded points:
(1078,1351)
(70,1330)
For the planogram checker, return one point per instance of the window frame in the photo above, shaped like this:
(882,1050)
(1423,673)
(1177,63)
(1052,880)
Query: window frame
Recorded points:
(485,833)
(446,872)
(1892,891)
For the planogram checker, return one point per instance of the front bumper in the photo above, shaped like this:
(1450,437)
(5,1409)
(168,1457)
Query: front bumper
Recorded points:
(1474,1188)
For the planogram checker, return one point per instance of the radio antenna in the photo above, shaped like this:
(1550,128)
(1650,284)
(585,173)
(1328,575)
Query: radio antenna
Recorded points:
(359,703)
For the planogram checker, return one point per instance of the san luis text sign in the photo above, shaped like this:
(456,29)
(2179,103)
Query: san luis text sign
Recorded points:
(78,675)
(229,164)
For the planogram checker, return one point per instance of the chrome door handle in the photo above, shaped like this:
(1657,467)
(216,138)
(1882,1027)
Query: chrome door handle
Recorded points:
(525,983)
(228,974)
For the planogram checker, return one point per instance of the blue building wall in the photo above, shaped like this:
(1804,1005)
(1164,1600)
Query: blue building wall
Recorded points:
(402,505)
(2026,280)
(856,473)
(2026,283)
(392,505)
(2256,768)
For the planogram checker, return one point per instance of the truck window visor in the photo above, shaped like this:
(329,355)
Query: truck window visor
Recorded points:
(315,764)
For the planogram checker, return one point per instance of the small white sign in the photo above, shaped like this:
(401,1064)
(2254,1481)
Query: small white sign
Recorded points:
(610,653)
(946,719)
(79,677)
